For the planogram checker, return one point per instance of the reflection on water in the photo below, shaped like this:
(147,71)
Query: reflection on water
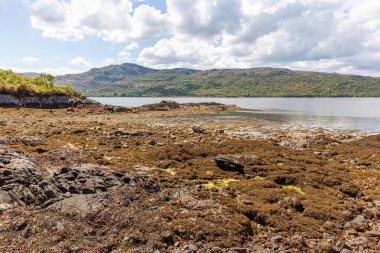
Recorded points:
(330,113)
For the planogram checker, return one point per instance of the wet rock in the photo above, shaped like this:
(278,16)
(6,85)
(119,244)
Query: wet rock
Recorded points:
(229,163)
(198,129)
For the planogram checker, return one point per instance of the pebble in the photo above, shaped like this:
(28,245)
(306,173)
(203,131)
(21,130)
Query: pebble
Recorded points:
(18,226)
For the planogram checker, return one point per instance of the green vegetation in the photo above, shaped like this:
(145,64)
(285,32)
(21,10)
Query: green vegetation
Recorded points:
(134,80)
(217,183)
(294,188)
(170,171)
(41,85)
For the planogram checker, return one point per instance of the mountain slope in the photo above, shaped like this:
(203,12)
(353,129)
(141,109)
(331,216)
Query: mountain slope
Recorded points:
(135,80)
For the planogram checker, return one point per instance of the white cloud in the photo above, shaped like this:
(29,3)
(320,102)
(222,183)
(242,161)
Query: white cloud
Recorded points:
(29,59)
(113,20)
(328,35)
(125,54)
(80,61)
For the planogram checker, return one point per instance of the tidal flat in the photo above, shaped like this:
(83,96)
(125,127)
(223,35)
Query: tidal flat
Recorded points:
(170,178)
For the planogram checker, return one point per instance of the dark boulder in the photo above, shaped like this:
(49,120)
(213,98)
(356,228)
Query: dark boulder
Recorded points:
(229,163)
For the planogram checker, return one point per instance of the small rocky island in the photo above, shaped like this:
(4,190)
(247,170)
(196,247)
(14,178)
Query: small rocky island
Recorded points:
(158,179)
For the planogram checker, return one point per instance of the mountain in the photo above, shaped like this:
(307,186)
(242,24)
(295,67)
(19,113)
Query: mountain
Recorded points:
(134,80)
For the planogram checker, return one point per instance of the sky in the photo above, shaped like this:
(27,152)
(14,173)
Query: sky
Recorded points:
(72,36)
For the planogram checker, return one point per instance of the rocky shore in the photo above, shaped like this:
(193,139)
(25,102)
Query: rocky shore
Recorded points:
(45,102)
(158,179)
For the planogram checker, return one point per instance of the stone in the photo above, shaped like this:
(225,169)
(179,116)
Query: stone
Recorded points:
(198,129)
(238,250)
(20,225)
(276,238)
(152,142)
(373,234)
(360,240)
(81,205)
(167,238)
(229,163)
(350,190)
(27,233)
(359,223)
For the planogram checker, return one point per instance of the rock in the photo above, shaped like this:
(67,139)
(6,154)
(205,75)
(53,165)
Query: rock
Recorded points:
(152,142)
(132,133)
(60,227)
(81,205)
(27,233)
(106,249)
(229,163)
(238,250)
(6,201)
(373,234)
(276,238)
(20,225)
(216,249)
(359,223)
(191,248)
(167,238)
(342,245)
(248,202)
(292,202)
(360,240)
(350,190)
(75,250)
(345,251)
(46,102)
(198,129)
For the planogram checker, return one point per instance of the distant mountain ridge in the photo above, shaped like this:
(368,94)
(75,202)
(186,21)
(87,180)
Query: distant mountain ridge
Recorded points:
(134,80)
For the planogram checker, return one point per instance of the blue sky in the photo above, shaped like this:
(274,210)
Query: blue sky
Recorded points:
(70,36)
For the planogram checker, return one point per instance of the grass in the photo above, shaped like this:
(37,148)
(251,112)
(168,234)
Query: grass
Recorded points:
(19,85)
(217,183)
(170,171)
(259,178)
(294,188)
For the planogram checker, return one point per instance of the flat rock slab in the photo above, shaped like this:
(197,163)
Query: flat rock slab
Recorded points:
(81,205)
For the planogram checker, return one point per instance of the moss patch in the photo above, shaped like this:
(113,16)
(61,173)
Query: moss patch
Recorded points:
(293,188)
(170,171)
(217,183)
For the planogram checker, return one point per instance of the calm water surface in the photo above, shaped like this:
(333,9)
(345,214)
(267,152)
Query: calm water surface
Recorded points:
(331,113)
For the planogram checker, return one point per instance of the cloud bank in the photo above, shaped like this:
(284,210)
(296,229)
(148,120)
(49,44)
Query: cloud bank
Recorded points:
(324,35)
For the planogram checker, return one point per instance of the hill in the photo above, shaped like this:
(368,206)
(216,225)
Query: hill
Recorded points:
(134,80)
